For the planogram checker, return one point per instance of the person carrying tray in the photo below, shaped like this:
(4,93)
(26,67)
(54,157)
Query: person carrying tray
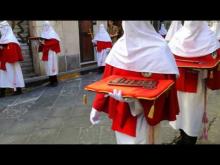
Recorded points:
(142,53)
(196,49)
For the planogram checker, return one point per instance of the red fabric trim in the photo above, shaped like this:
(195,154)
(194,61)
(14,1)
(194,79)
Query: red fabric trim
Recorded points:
(51,44)
(213,80)
(103,45)
(10,53)
(188,80)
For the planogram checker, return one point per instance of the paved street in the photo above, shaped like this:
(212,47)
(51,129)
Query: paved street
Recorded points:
(46,115)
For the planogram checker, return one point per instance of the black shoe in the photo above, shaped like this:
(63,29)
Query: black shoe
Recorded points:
(101,69)
(2,92)
(186,139)
(53,81)
(189,140)
(178,140)
(50,81)
(18,91)
(54,84)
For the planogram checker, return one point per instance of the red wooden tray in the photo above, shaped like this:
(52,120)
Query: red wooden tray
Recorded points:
(103,86)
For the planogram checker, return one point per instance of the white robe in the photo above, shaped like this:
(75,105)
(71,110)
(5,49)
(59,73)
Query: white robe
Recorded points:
(191,109)
(142,131)
(51,66)
(12,77)
(101,56)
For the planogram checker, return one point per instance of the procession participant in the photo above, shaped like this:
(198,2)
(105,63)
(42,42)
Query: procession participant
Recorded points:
(50,46)
(10,55)
(140,52)
(192,43)
(103,44)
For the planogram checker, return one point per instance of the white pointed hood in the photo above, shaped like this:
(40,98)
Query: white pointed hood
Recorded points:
(174,27)
(48,31)
(102,35)
(7,34)
(142,49)
(194,39)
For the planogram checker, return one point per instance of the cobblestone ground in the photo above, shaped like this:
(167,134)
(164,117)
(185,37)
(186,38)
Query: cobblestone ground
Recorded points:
(45,115)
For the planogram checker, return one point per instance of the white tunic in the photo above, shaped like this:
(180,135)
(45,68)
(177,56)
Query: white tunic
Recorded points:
(51,66)
(101,56)
(12,77)
(191,109)
(142,130)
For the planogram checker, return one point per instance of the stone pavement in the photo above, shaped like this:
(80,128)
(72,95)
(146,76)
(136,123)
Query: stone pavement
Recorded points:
(45,115)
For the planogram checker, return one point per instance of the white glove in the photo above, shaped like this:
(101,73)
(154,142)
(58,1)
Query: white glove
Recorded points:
(94,116)
(117,95)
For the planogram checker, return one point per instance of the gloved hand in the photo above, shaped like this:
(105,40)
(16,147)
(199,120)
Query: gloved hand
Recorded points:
(94,116)
(117,95)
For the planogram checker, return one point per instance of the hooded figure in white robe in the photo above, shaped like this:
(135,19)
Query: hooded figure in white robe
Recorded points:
(11,76)
(193,40)
(103,44)
(141,49)
(51,49)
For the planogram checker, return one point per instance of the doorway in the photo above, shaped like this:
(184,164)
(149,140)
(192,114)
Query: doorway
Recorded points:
(86,46)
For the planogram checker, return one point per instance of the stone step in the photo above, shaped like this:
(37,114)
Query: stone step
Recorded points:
(25,52)
(29,75)
(27,60)
(27,70)
(26,64)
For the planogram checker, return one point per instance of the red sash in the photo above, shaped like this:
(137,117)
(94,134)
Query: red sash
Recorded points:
(103,45)
(51,44)
(10,53)
(188,80)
